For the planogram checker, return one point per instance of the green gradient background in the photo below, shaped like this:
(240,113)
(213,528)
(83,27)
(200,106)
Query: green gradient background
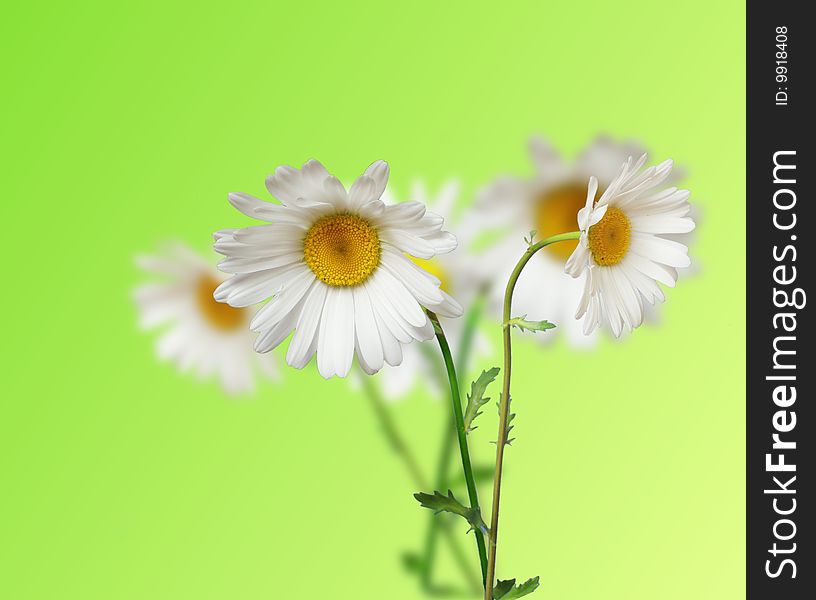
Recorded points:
(125,125)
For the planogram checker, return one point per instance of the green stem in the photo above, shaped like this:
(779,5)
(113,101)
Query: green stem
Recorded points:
(392,434)
(472,317)
(456,403)
(398,443)
(504,404)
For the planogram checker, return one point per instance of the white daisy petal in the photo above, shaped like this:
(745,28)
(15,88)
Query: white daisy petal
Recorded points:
(401,299)
(250,264)
(366,368)
(246,204)
(660,224)
(369,344)
(222,233)
(362,191)
(449,307)
(413,277)
(393,323)
(402,214)
(442,242)
(411,244)
(272,337)
(378,172)
(668,252)
(392,349)
(281,305)
(585,213)
(336,193)
(302,346)
(314,174)
(342,334)
(577,261)
(246,289)
(285,184)
(235,249)
(665,275)
(335,344)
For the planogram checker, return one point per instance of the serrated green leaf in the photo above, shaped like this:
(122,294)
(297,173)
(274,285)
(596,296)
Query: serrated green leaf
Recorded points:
(476,399)
(508,590)
(529,240)
(510,416)
(439,502)
(524,325)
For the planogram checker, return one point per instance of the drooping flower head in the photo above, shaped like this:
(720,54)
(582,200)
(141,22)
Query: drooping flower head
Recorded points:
(545,202)
(200,335)
(621,250)
(335,266)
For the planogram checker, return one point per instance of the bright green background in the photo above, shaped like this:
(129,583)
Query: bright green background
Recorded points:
(126,124)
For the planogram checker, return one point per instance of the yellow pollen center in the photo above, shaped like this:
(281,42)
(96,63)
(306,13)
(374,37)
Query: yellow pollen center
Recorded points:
(217,314)
(556,212)
(342,250)
(433,267)
(609,239)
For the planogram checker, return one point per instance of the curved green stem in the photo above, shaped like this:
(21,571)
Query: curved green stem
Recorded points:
(472,317)
(504,404)
(459,418)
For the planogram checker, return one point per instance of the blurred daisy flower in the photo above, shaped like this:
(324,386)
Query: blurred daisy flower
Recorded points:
(200,335)
(459,276)
(621,250)
(335,265)
(546,203)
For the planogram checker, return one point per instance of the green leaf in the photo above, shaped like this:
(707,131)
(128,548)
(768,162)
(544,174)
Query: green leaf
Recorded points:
(476,399)
(508,590)
(502,587)
(524,325)
(510,416)
(529,240)
(439,502)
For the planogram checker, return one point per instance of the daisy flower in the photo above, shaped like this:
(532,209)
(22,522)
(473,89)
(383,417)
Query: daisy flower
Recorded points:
(336,266)
(546,203)
(621,250)
(459,275)
(201,335)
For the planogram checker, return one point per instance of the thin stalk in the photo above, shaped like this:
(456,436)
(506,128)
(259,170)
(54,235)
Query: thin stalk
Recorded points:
(400,446)
(392,434)
(504,404)
(472,317)
(456,404)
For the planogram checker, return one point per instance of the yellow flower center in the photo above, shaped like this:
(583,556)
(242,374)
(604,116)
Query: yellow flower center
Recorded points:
(433,267)
(609,239)
(342,250)
(217,314)
(557,212)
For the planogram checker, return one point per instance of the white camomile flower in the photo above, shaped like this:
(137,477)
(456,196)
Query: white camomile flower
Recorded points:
(621,250)
(201,335)
(545,202)
(335,266)
(460,276)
